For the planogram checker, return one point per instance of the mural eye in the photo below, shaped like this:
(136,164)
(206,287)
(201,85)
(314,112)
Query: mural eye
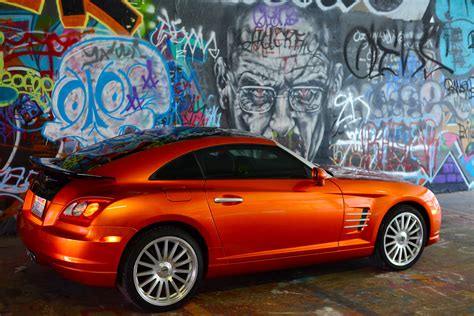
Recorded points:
(110,94)
(306,99)
(256,99)
(71,100)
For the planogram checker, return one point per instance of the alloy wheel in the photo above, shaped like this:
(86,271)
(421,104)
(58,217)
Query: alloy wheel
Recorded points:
(403,239)
(165,271)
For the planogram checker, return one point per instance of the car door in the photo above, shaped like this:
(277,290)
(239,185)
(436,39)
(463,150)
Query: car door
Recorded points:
(265,203)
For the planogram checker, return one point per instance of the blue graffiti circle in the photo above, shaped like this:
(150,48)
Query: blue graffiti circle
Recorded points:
(7,96)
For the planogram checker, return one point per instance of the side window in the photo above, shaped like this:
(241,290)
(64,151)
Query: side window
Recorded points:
(182,168)
(251,162)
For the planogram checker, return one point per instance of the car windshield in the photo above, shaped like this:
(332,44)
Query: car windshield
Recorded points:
(111,149)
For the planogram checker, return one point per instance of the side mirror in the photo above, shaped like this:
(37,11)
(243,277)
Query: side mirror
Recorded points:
(319,176)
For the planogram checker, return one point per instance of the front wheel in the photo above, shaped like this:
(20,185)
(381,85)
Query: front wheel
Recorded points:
(401,238)
(162,270)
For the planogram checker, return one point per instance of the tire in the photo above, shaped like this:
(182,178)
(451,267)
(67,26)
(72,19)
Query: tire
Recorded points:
(398,246)
(161,281)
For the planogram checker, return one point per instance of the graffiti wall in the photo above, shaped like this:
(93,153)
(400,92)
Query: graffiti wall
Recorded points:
(376,84)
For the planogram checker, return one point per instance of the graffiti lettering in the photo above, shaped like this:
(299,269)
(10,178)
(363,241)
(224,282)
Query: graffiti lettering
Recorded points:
(352,109)
(463,88)
(114,51)
(466,131)
(281,16)
(15,180)
(29,81)
(369,54)
(268,40)
(188,44)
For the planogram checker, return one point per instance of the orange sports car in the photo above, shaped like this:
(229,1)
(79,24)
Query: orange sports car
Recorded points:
(156,211)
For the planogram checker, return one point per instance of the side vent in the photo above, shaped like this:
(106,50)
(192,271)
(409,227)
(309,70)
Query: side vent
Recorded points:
(357,219)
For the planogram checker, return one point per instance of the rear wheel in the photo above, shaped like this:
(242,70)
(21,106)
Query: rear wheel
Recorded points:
(162,270)
(401,238)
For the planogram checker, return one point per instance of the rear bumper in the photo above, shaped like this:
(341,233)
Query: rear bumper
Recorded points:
(86,259)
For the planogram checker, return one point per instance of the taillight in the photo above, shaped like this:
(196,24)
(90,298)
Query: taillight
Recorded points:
(82,211)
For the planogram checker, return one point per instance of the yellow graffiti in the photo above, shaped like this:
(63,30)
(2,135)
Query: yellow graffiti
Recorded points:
(80,20)
(35,6)
(29,83)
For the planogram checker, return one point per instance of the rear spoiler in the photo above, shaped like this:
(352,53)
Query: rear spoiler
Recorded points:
(47,164)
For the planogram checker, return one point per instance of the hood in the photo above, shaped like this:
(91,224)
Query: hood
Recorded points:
(360,174)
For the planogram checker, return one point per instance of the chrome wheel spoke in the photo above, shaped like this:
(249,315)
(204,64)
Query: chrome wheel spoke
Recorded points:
(393,248)
(179,255)
(407,223)
(165,250)
(180,279)
(153,286)
(414,231)
(396,252)
(147,281)
(173,284)
(393,229)
(148,265)
(398,225)
(179,264)
(167,289)
(391,236)
(151,257)
(147,272)
(158,252)
(160,287)
(411,226)
(170,257)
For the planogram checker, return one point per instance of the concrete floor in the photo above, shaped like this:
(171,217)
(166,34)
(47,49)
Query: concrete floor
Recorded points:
(441,283)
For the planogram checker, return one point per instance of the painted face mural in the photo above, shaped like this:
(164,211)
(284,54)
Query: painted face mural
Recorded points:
(279,77)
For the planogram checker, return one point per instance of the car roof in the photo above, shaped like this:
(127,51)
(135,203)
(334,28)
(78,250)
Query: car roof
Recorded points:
(185,132)
(124,145)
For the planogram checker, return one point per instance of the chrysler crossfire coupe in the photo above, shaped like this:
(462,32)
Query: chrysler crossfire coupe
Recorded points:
(156,211)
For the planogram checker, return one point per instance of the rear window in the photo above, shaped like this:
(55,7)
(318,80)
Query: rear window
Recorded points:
(182,168)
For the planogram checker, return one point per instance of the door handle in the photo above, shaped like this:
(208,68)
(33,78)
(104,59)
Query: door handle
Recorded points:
(229,200)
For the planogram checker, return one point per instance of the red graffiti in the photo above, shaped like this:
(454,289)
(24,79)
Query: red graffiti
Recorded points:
(398,146)
(49,45)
